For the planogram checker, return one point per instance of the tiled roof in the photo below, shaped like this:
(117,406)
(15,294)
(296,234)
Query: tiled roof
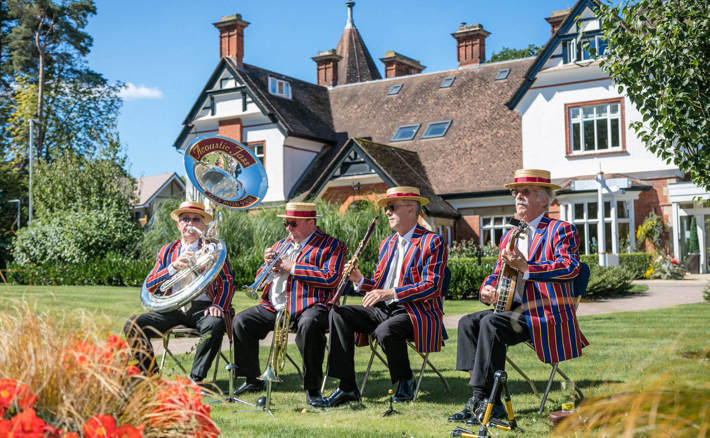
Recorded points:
(357,64)
(148,186)
(483,145)
(306,114)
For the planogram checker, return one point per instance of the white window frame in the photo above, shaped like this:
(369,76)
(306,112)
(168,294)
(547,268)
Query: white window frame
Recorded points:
(576,52)
(279,87)
(611,217)
(400,128)
(491,227)
(576,116)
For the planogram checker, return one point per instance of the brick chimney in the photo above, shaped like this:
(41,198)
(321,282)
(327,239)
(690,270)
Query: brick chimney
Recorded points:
(400,65)
(557,18)
(470,44)
(327,67)
(231,36)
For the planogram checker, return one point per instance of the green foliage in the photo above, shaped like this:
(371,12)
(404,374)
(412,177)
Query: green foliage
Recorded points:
(653,228)
(636,262)
(469,248)
(606,281)
(467,276)
(693,245)
(665,268)
(706,292)
(75,237)
(507,53)
(77,182)
(657,54)
(12,186)
(112,269)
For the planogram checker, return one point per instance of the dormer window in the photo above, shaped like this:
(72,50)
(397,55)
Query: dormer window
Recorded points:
(405,132)
(279,87)
(502,74)
(394,89)
(587,48)
(447,82)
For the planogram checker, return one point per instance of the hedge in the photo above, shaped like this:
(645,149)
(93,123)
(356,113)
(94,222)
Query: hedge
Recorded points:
(636,262)
(467,276)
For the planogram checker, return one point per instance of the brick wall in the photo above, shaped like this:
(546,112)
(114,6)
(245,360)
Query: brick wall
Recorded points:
(231,129)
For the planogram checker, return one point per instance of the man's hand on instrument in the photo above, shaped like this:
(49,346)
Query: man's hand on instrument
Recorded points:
(489,295)
(284,266)
(376,295)
(355,275)
(269,255)
(183,261)
(514,259)
(214,311)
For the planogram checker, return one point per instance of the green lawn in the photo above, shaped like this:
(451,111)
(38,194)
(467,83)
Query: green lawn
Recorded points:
(625,347)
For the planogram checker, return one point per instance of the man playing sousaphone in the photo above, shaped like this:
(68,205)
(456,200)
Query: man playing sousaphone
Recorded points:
(210,311)
(309,268)
(402,300)
(543,313)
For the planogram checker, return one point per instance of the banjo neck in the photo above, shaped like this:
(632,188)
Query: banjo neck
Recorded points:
(510,280)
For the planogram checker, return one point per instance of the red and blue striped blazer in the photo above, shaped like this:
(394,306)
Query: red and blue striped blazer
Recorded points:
(549,299)
(220,290)
(420,283)
(316,273)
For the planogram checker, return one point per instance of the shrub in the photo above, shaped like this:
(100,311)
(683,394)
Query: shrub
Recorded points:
(469,248)
(665,268)
(652,229)
(635,262)
(706,292)
(605,281)
(467,276)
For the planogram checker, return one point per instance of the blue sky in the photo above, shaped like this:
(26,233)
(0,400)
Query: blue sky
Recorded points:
(166,50)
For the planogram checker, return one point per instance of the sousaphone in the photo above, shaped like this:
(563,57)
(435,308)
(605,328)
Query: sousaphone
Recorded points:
(228,174)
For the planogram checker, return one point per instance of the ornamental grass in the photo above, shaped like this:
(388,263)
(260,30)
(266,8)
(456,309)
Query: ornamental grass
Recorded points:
(69,378)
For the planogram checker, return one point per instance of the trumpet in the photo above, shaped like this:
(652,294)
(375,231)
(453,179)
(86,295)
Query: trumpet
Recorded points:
(277,353)
(266,276)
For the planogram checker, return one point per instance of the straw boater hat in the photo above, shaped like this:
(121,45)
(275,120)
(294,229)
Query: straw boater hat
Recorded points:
(300,210)
(191,207)
(532,177)
(404,193)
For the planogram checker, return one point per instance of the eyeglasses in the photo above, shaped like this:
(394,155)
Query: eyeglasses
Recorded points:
(392,207)
(292,224)
(188,219)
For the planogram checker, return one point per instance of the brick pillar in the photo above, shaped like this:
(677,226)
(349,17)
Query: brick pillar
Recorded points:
(231,37)
(556,19)
(470,44)
(231,128)
(400,65)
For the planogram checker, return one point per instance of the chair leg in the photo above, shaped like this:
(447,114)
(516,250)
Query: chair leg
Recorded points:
(421,375)
(576,388)
(300,374)
(547,388)
(166,341)
(425,359)
(522,373)
(367,371)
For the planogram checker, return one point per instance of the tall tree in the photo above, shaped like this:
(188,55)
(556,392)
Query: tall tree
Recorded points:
(658,55)
(46,31)
(506,53)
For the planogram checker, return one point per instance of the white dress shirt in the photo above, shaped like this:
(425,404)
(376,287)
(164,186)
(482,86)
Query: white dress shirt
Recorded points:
(277,291)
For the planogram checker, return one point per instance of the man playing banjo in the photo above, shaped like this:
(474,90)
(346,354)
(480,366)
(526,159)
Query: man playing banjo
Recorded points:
(210,311)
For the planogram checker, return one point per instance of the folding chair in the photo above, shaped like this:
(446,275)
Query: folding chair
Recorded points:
(425,356)
(181,331)
(579,289)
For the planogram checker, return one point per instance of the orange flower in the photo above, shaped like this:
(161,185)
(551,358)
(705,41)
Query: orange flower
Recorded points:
(133,370)
(127,431)
(11,391)
(83,352)
(5,428)
(70,435)
(100,426)
(116,343)
(27,424)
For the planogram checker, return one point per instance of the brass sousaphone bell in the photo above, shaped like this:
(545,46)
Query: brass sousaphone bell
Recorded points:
(228,174)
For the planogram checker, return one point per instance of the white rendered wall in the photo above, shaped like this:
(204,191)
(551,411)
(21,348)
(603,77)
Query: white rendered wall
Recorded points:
(543,125)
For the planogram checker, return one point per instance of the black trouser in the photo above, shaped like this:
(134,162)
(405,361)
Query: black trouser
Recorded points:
(254,323)
(391,327)
(139,328)
(483,338)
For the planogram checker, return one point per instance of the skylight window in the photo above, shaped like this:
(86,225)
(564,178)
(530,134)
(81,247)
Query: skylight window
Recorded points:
(405,132)
(279,87)
(394,89)
(436,129)
(447,82)
(502,74)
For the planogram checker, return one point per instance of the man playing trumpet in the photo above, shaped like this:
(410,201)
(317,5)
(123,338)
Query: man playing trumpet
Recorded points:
(402,301)
(304,278)
(210,312)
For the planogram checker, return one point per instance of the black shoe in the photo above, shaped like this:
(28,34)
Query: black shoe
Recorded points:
(404,392)
(249,387)
(339,397)
(315,400)
(498,412)
(467,412)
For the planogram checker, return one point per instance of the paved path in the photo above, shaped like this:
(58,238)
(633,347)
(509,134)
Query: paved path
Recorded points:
(661,293)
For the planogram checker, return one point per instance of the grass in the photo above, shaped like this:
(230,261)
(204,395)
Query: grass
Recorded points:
(625,348)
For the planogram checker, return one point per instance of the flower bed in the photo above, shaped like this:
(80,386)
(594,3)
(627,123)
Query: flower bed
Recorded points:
(59,381)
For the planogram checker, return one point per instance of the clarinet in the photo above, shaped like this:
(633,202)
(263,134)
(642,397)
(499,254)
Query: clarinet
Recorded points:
(353,262)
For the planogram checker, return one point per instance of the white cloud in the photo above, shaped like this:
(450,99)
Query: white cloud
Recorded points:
(131,91)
